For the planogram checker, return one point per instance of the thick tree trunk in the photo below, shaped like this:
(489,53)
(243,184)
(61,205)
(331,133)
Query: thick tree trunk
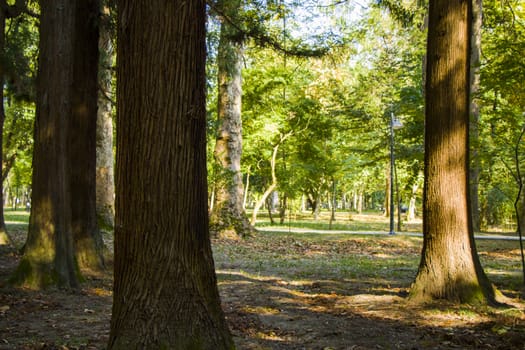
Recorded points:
(165,290)
(48,257)
(82,138)
(228,219)
(475,165)
(450,267)
(105,196)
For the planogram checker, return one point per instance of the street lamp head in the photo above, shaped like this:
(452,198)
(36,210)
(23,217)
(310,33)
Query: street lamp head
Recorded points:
(396,124)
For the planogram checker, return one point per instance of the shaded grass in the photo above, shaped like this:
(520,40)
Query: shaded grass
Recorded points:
(17,222)
(361,281)
(387,260)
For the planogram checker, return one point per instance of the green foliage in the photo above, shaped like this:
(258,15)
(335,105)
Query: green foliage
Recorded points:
(20,56)
(334,112)
(502,100)
(18,144)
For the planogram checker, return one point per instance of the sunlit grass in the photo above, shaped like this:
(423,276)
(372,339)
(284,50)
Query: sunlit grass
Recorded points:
(16,217)
(374,221)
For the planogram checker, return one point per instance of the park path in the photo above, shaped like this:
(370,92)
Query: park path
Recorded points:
(489,236)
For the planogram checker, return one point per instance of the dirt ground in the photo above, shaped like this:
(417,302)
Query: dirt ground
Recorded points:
(283,293)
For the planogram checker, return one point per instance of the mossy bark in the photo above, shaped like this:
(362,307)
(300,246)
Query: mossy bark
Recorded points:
(475,63)
(88,242)
(48,255)
(228,219)
(105,173)
(63,187)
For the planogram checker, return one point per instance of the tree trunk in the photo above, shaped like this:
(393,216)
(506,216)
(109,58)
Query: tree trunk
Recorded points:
(387,193)
(48,258)
(475,165)
(449,268)
(269,207)
(412,205)
(282,208)
(272,186)
(246,190)
(105,196)
(82,138)
(317,207)
(228,219)
(165,288)
(333,204)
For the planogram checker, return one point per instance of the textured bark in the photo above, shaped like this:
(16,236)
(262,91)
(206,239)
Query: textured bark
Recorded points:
(165,291)
(48,257)
(228,219)
(450,267)
(82,137)
(105,175)
(475,164)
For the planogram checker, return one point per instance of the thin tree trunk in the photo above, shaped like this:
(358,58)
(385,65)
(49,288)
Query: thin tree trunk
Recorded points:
(387,193)
(450,267)
(269,207)
(282,208)
(334,204)
(246,190)
(165,287)
(317,208)
(273,184)
(412,205)
(398,202)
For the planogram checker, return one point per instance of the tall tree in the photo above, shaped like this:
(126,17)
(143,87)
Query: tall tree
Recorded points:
(228,218)
(450,267)
(475,62)
(105,174)
(82,137)
(165,291)
(48,258)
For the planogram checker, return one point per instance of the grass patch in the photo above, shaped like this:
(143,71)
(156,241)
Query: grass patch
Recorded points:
(383,259)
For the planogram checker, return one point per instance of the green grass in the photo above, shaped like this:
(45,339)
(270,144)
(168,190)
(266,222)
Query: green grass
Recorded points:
(345,221)
(12,216)
(341,258)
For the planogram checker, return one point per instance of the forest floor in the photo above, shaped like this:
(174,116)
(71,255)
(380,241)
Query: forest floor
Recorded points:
(292,291)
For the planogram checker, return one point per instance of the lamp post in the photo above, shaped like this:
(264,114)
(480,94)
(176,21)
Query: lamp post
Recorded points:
(394,125)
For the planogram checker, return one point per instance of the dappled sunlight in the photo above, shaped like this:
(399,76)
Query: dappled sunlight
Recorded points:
(302,289)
